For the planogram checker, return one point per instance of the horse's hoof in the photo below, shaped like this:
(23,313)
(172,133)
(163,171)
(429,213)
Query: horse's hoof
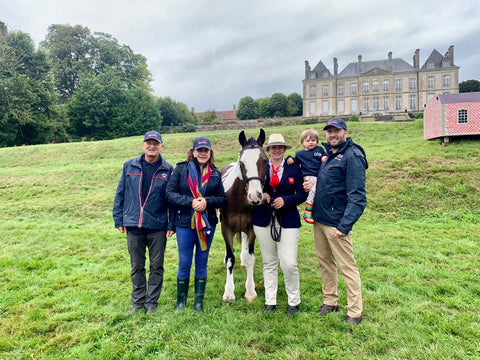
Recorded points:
(250,298)
(228,299)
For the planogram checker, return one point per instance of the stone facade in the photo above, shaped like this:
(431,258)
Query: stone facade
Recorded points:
(377,87)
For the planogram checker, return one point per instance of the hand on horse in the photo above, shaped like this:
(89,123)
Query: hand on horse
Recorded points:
(199,204)
(266,197)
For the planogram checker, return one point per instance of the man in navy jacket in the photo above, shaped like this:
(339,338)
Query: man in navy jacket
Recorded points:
(141,210)
(339,202)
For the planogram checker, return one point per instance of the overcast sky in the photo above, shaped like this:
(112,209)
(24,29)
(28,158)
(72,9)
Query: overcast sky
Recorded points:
(209,54)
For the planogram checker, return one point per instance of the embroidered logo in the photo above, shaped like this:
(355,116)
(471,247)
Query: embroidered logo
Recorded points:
(164,175)
(339,157)
(291,180)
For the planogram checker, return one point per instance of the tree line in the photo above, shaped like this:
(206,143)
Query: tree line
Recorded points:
(81,85)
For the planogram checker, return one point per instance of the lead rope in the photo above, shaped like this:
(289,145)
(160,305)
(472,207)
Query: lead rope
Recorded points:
(274,232)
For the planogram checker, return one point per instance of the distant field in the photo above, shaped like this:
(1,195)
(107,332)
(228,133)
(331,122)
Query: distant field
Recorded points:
(64,269)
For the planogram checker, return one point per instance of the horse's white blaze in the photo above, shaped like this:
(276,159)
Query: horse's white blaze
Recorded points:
(230,175)
(248,261)
(249,159)
(229,294)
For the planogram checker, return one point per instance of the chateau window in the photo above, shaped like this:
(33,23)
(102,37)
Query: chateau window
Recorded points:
(430,65)
(325,108)
(398,85)
(413,83)
(376,103)
(446,63)
(313,90)
(340,89)
(312,75)
(446,80)
(462,116)
(413,101)
(430,97)
(312,108)
(385,103)
(430,82)
(398,103)
(353,89)
(385,85)
(365,104)
(375,86)
(325,73)
(353,106)
(325,90)
(341,107)
(365,87)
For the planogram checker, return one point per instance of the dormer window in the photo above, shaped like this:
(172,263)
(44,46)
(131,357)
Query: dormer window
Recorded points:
(325,73)
(430,65)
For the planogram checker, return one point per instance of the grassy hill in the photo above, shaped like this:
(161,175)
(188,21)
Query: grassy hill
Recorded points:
(64,269)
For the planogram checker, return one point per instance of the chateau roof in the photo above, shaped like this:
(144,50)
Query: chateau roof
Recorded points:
(357,68)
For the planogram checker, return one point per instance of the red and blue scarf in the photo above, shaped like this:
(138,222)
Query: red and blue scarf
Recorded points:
(198,186)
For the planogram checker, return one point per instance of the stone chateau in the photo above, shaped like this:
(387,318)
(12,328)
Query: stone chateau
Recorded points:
(379,87)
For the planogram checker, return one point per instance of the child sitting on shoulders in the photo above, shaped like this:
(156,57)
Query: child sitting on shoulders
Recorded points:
(310,159)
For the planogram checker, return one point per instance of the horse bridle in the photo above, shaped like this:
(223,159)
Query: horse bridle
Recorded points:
(248,179)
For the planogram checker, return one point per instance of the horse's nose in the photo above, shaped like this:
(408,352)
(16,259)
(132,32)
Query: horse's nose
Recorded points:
(255,198)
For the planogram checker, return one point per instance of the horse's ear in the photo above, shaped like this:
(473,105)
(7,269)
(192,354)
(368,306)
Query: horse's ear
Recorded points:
(261,137)
(242,138)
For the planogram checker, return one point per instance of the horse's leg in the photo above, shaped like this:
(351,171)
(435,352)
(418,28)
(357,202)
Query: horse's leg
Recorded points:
(229,294)
(248,260)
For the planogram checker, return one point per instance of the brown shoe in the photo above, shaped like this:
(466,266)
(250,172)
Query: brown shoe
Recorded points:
(135,309)
(151,310)
(353,320)
(326,309)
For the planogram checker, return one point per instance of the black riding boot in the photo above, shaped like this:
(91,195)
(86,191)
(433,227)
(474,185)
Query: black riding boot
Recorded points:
(199,293)
(182,292)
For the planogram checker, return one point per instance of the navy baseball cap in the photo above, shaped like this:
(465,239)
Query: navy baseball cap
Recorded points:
(336,123)
(201,142)
(153,135)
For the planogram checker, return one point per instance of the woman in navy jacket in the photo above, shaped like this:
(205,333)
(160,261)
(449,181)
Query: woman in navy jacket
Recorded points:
(277,225)
(195,190)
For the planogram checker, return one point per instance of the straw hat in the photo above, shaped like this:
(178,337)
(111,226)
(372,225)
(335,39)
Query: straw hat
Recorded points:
(277,140)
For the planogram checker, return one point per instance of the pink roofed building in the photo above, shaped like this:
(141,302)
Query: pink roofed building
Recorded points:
(450,115)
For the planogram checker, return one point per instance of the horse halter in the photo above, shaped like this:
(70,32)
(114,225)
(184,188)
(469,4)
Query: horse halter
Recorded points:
(246,180)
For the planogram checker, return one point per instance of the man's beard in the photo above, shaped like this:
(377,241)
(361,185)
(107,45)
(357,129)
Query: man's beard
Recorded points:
(340,143)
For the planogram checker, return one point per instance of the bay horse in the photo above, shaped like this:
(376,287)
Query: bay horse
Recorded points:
(243,182)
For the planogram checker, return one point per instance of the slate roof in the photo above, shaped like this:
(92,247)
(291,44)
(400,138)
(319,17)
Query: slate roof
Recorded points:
(398,66)
(459,98)
(320,68)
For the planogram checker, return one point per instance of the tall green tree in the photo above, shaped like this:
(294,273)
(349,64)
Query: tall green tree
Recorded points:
(264,107)
(27,98)
(469,86)
(76,52)
(279,105)
(247,108)
(175,113)
(295,105)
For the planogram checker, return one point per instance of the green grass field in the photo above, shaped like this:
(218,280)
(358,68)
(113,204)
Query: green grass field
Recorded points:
(64,269)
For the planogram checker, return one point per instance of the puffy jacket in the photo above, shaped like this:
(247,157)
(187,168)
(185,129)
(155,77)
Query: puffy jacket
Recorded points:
(340,196)
(180,196)
(128,209)
(291,190)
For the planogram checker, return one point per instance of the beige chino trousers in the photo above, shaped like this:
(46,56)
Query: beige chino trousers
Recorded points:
(333,252)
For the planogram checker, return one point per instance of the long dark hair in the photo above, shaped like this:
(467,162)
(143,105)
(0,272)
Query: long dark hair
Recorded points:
(211,161)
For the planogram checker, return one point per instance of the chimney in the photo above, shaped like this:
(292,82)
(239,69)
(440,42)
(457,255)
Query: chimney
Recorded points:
(193,110)
(359,65)
(416,59)
(335,67)
(307,69)
(390,61)
(449,54)
(234,107)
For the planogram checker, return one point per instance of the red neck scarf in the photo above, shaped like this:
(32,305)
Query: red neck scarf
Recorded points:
(275,180)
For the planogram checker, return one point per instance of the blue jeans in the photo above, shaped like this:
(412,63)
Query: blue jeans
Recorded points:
(187,239)
(144,294)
